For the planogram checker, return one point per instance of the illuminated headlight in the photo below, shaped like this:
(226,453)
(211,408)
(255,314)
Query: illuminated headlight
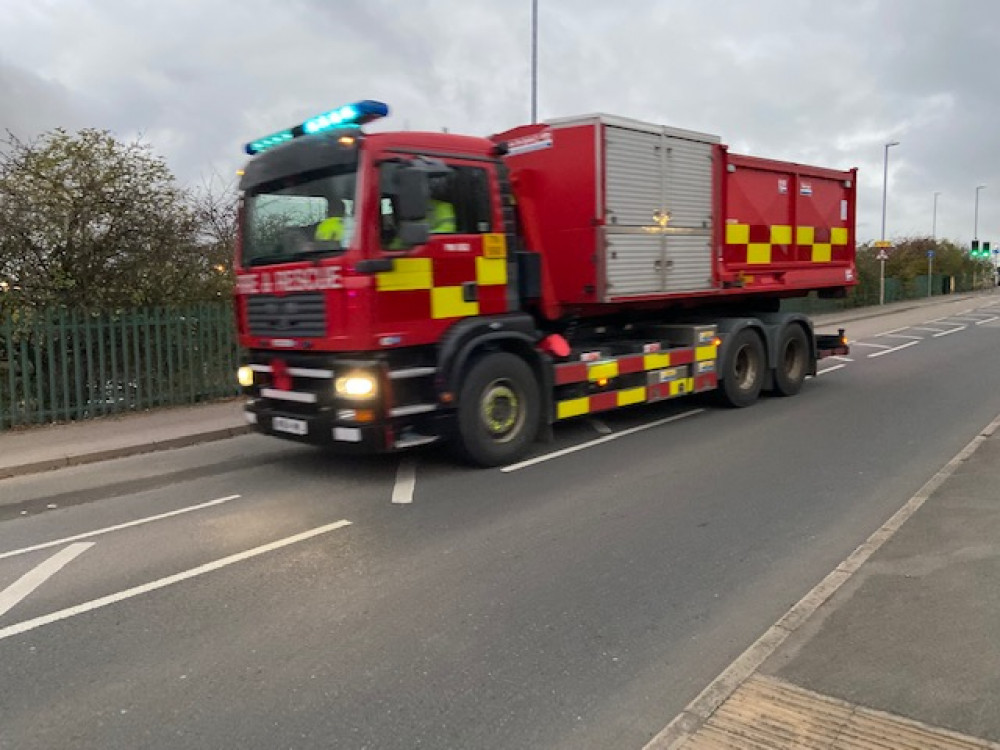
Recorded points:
(245,376)
(358,385)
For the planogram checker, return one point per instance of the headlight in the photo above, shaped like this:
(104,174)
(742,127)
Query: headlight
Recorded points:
(358,385)
(245,376)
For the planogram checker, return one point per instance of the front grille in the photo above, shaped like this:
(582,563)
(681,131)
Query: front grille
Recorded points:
(291,316)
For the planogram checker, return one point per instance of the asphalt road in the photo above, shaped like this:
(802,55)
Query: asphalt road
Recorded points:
(257,594)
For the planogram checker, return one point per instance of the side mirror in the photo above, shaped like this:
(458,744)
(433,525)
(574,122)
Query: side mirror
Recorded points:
(412,194)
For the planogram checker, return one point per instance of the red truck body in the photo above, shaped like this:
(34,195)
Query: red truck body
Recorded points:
(591,263)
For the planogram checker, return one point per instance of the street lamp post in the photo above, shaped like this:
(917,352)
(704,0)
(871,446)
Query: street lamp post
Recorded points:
(975,235)
(975,227)
(885,183)
(930,253)
(934,222)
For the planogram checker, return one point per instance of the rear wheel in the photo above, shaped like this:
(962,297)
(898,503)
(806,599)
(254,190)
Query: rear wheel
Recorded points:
(793,361)
(498,410)
(743,370)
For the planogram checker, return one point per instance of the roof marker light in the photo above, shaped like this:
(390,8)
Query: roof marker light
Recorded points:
(346,116)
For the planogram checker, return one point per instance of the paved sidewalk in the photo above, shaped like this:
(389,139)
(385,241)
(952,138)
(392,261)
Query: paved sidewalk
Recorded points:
(34,449)
(899,647)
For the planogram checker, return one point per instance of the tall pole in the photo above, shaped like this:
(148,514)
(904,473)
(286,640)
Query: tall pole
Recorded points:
(534,61)
(934,223)
(885,183)
(930,253)
(975,227)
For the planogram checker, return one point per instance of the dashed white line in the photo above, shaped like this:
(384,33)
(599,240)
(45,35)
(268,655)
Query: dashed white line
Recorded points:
(829,369)
(873,346)
(988,320)
(38,575)
(104,601)
(924,328)
(117,527)
(598,441)
(902,336)
(907,345)
(894,330)
(406,482)
(841,359)
(947,333)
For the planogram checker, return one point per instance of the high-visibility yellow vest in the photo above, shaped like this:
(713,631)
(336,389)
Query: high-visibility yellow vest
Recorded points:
(442,218)
(330,229)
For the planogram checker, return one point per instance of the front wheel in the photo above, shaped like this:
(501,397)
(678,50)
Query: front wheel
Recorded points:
(744,369)
(498,410)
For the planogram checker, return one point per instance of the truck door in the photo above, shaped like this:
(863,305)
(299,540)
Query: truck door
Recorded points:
(460,271)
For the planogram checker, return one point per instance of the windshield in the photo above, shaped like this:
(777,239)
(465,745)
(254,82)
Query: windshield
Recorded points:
(306,218)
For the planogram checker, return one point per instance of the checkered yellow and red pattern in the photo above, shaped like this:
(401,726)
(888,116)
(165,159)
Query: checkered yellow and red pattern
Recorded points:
(764,244)
(437,287)
(670,373)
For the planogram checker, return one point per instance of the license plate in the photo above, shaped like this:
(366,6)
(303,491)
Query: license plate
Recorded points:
(291,426)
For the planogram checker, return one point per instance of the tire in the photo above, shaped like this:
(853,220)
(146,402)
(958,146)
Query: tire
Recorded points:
(498,410)
(744,370)
(792,365)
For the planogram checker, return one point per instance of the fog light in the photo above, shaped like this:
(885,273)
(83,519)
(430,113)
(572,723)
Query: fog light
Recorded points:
(245,376)
(356,386)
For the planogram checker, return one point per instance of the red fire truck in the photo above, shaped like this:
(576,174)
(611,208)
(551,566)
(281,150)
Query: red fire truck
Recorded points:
(400,288)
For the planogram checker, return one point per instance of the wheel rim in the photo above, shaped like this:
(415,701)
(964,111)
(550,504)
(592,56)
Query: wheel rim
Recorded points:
(794,361)
(501,410)
(745,369)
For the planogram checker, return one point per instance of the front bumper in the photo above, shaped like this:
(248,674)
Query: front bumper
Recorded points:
(319,428)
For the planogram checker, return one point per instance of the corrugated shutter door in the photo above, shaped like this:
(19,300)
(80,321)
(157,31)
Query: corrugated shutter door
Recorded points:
(689,263)
(633,264)
(634,179)
(688,187)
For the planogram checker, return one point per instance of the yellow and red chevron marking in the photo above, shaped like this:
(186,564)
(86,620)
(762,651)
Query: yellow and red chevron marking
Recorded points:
(582,372)
(436,286)
(759,241)
(596,402)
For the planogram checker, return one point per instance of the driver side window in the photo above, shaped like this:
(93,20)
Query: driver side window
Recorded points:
(459,203)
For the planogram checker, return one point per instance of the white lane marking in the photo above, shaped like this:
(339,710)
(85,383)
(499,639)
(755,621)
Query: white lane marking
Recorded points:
(406,481)
(38,575)
(117,527)
(907,345)
(960,319)
(104,601)
(698,711)
(841,359)
(829,369)
(946,333)
(873,346)
(598,441)
(902,336)
(988,320)
(924,328)
(894,330)
(599,426)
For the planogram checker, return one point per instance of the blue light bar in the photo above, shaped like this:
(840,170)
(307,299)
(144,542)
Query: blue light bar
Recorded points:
(349,115)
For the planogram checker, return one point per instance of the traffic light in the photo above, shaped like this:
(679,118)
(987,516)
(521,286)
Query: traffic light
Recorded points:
(986,250)
(974,252)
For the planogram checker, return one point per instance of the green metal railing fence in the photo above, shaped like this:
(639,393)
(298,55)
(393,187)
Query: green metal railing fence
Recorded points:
(58,365)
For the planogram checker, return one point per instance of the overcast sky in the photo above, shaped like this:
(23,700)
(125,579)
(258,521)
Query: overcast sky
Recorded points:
(827,82)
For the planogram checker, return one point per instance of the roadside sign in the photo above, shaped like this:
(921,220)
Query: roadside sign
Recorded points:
(882,255)
(930,253)
(883,243)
